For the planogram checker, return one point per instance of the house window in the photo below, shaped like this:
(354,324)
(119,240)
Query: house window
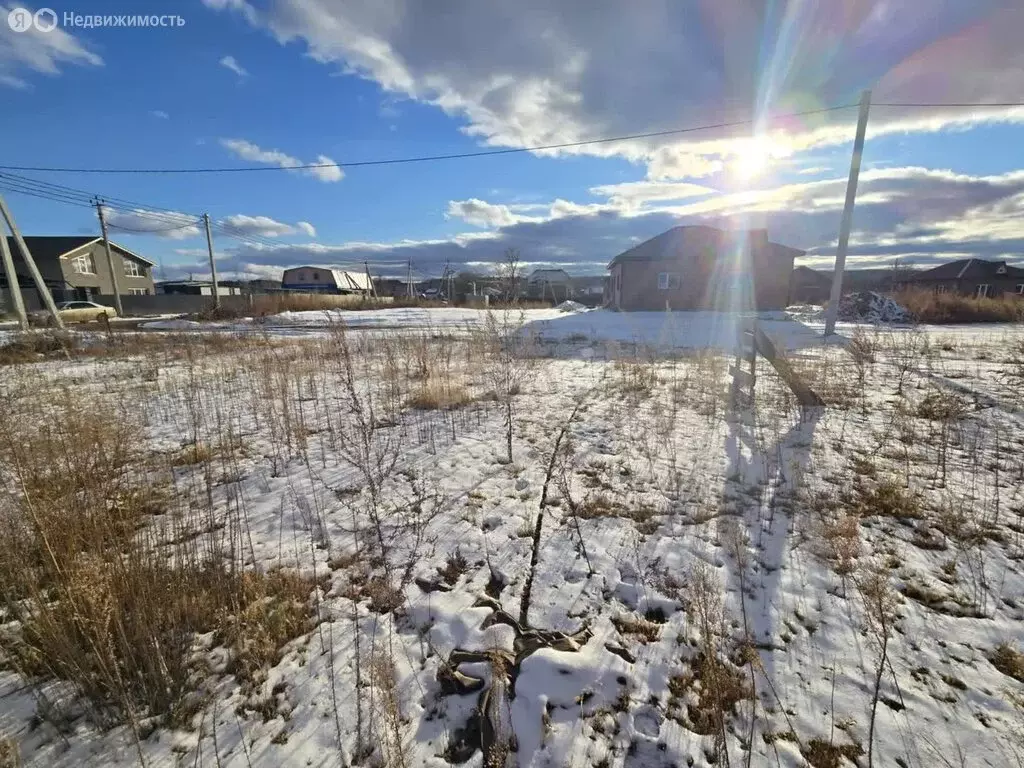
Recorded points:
(83,265)
(1020,289)
(132,268)
(983,291)
(316,276)
(941,288)
(137,292)
(668,281)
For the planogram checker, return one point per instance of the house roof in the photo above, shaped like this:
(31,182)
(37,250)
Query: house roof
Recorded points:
(668,244)
(548,274)
(961,268)
(343,279)
(52,247)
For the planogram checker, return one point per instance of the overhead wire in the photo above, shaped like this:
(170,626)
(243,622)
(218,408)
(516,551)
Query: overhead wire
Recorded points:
(449,156)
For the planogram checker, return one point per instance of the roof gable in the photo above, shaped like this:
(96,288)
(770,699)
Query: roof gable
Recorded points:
(695,236)
(53,247)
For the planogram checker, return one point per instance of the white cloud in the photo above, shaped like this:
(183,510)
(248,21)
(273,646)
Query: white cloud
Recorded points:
(139,221)
(921,214)
(257,225)
(547,78)
(480,213)
(634,194)
(159,113)
(35,51)
(230,62)
(326,169)
(306,228)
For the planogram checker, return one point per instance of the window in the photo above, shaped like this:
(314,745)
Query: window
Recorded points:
(984,291)
(132,268)
(137,292)
(316,276)
(668,281)
(941,288)
(83,265)
(1020,289)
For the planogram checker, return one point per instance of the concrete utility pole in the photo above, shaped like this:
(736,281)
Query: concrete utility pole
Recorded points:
(213,263)
(844,227)
(26,256)
(110,260)
(12,283)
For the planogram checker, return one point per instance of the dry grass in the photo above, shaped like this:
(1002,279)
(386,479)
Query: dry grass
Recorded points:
(98,597)
(32,347)
(931,307)
(1008,660)
(439,394)
(820,754)
(711,689)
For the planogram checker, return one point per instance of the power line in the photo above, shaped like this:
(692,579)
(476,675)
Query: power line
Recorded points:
(519,150)
(431,158)
(950,105)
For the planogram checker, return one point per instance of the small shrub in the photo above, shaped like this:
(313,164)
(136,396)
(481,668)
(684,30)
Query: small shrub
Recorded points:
(1008,660)
(820,754)
(942,406)
(439,394)
(886,498)
(31,347)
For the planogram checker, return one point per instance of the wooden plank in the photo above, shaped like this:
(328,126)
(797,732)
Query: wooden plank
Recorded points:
(804,394)
(741,377)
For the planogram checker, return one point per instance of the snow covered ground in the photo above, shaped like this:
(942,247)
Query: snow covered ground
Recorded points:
(705,583)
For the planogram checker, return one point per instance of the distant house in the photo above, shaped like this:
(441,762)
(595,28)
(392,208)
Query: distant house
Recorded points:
(75,268)
(702,267)
(325,280)
(983,278)
(809,286)
(589,289)
(196,288)
(549,284)
(258,285)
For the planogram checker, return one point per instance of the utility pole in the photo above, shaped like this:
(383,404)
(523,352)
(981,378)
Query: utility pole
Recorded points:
(408,278)
(213,262)
(110,260)
(12,283)
(369,279)
(832,313)
(26,256)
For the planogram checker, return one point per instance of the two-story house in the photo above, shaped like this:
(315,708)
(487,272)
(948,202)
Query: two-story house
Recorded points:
(75,268)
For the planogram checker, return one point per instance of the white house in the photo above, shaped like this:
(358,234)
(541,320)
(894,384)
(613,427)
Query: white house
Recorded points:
(325,280)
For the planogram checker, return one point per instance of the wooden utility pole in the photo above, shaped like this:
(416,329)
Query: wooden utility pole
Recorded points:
(110,260)
(832,313)
(213,262)
(33,270)
(13,286)
(408,278)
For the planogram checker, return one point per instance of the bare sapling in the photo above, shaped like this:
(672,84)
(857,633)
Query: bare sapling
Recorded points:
(881,613)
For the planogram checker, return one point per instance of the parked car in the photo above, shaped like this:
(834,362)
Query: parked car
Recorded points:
(77,312)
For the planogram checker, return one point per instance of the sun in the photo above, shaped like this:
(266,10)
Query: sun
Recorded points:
(753,157)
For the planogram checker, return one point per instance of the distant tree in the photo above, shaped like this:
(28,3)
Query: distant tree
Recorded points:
(508,272)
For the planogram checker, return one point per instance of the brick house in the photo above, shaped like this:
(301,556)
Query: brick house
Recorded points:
(702,267)
(971,277)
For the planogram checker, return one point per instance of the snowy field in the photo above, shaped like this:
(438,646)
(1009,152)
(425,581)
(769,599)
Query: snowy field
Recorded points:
(653,577)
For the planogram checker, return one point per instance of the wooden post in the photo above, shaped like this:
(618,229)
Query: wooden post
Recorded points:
(26,255)
(110,260)
(832,313)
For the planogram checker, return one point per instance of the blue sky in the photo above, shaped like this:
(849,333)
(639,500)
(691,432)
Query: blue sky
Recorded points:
(302,81)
